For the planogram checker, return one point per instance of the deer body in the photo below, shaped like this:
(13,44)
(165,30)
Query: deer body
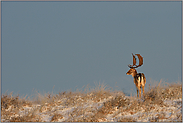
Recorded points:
(139,78)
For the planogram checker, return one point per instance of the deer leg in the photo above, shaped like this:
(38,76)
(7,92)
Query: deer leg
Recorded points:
(143,90)
(137,93)
(140,92)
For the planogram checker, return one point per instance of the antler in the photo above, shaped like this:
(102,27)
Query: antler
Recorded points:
(134,61)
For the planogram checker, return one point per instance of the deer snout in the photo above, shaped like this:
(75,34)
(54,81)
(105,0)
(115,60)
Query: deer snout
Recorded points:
(128,73)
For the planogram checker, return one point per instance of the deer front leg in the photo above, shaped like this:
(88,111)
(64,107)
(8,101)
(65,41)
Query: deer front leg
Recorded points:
(138,89)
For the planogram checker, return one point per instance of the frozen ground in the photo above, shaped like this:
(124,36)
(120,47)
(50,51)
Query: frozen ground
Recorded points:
(97,106)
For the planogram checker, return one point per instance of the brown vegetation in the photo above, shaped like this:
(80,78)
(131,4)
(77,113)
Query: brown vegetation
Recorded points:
(95,105)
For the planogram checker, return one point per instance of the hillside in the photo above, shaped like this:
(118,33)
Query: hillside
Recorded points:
(161,103)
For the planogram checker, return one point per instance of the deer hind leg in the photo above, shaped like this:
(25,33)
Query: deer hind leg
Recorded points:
(140,92)
(137,93)
(143,83)
(138,87)
(143,90)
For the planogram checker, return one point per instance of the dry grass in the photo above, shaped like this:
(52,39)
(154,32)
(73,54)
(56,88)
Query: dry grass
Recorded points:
(163,91)
(117,102)
(55,117)
(15,101)
(126,119)
(10,106)
(107,102)
(156,95)
(29,117)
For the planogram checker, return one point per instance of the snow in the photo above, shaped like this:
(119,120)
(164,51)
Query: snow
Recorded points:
(167,112)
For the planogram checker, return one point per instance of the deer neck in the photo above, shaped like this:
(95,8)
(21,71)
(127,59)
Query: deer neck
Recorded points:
(134,73)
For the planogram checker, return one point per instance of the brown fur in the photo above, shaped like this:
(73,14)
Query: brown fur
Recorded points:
(139,84)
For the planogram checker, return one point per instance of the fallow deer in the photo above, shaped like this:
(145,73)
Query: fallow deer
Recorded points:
(139,78)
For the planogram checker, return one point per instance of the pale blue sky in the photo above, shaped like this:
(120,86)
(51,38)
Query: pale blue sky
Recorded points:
(68,45)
